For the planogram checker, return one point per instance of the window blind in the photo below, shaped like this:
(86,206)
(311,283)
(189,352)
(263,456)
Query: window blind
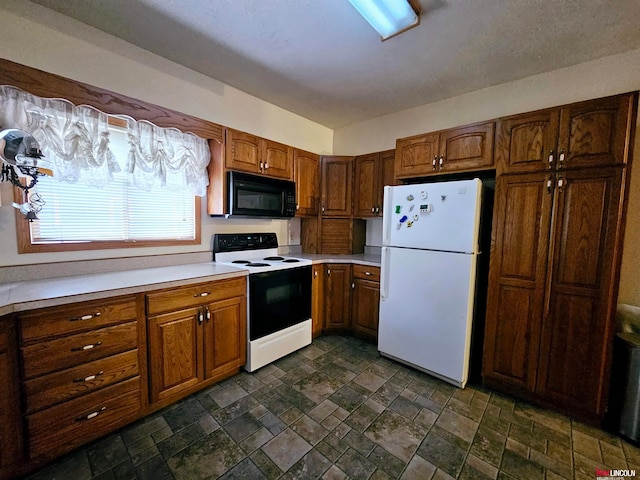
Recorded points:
(76,212)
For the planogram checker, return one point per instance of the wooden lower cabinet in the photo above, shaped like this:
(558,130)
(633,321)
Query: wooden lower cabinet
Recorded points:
(11,451)
(365,301)
(337,297)
(317,299)
(175,353)
(199,344)
(83,367)
(554,266)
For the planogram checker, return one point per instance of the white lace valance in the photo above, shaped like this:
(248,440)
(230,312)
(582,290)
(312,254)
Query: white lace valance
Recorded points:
(76,141)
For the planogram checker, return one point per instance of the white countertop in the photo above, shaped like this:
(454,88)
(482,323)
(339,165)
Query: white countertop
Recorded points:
(21,296)
(16,297)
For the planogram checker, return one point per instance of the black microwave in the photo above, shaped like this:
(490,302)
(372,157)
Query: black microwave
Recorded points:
(260,196)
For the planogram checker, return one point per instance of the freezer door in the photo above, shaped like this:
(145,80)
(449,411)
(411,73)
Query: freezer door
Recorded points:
(426,310)
(435,216)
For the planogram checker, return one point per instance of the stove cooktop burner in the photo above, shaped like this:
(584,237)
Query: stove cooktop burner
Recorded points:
(257,264)
(291,260)
(273,258)
(243,262)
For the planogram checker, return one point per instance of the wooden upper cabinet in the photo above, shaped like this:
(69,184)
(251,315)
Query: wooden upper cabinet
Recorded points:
(417,156)
(253,154)
(367,185)
(517,279)
(307,178)
(242,151)
(527,143)
(467,148)
(577,333)
(277,159)
(586,134)
(337,185)
(372,172)
(596,132)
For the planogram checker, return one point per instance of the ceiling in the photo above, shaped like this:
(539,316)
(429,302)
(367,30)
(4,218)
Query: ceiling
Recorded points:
(321,60)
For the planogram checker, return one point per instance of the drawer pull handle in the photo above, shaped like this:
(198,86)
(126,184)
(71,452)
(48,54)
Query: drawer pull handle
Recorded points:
(85,317)
(208,314)
(367,273)
(203,294)
(83,418)
(86,347)
(89,378)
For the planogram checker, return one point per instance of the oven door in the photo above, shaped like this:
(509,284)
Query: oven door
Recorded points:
(278,300)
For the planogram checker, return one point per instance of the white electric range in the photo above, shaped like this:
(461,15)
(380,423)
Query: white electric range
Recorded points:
(279,295)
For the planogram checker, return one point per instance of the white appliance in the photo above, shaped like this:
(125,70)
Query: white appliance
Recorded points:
(278,297)
(430,250)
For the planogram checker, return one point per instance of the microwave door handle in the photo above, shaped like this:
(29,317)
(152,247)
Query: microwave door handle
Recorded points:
(283,203)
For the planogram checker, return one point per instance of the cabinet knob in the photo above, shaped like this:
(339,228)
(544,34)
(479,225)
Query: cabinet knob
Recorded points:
(89,378)
(377,209)
(203,294)
(328,272)
(200,317)
(550,159)
(297,207)
(86,347)
(91,415)
(208,313)
(441,161)
(367,273)
(373,209)
(550,184)
(261,165)
(561,159)
(266,165)
(322,208)
(435,160)
(353,286)
(85,317)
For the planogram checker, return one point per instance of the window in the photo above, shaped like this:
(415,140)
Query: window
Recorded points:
(77,216)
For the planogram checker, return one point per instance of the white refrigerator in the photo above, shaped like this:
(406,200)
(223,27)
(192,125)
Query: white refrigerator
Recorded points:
(428,274)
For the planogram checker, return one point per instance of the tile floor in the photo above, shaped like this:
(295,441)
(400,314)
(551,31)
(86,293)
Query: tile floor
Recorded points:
(338,410)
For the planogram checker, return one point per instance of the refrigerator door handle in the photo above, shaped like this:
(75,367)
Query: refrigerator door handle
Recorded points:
(384,272)
(386,216)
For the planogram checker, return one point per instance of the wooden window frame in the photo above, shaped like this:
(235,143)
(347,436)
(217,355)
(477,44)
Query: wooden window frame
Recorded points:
(48,85)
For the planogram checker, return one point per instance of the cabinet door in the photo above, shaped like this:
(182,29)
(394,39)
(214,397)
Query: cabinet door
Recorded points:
(225,340)
(527,143)
(467,148)
(577,331)
(338,296)
(416,156)
(366,185)
(242,151)
(10,422)
(517,279)
(317,298)
(387,174)
(307,177)
(175,352)
(277,159)
(337,185)
(597,132)
(366,307)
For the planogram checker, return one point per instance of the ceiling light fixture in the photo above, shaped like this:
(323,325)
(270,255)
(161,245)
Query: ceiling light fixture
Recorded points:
(389,17)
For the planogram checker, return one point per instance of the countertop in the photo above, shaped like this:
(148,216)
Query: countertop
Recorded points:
(21,296)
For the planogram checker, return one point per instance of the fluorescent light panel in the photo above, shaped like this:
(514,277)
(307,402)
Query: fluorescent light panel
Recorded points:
(388,17)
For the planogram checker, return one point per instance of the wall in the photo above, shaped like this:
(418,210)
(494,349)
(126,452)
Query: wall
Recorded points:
(38,37)
(599,78)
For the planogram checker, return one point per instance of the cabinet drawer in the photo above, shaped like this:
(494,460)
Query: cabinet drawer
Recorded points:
(48,390)
(192,296)
(366,272)
(70,424)
(52,322)
(46,357)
